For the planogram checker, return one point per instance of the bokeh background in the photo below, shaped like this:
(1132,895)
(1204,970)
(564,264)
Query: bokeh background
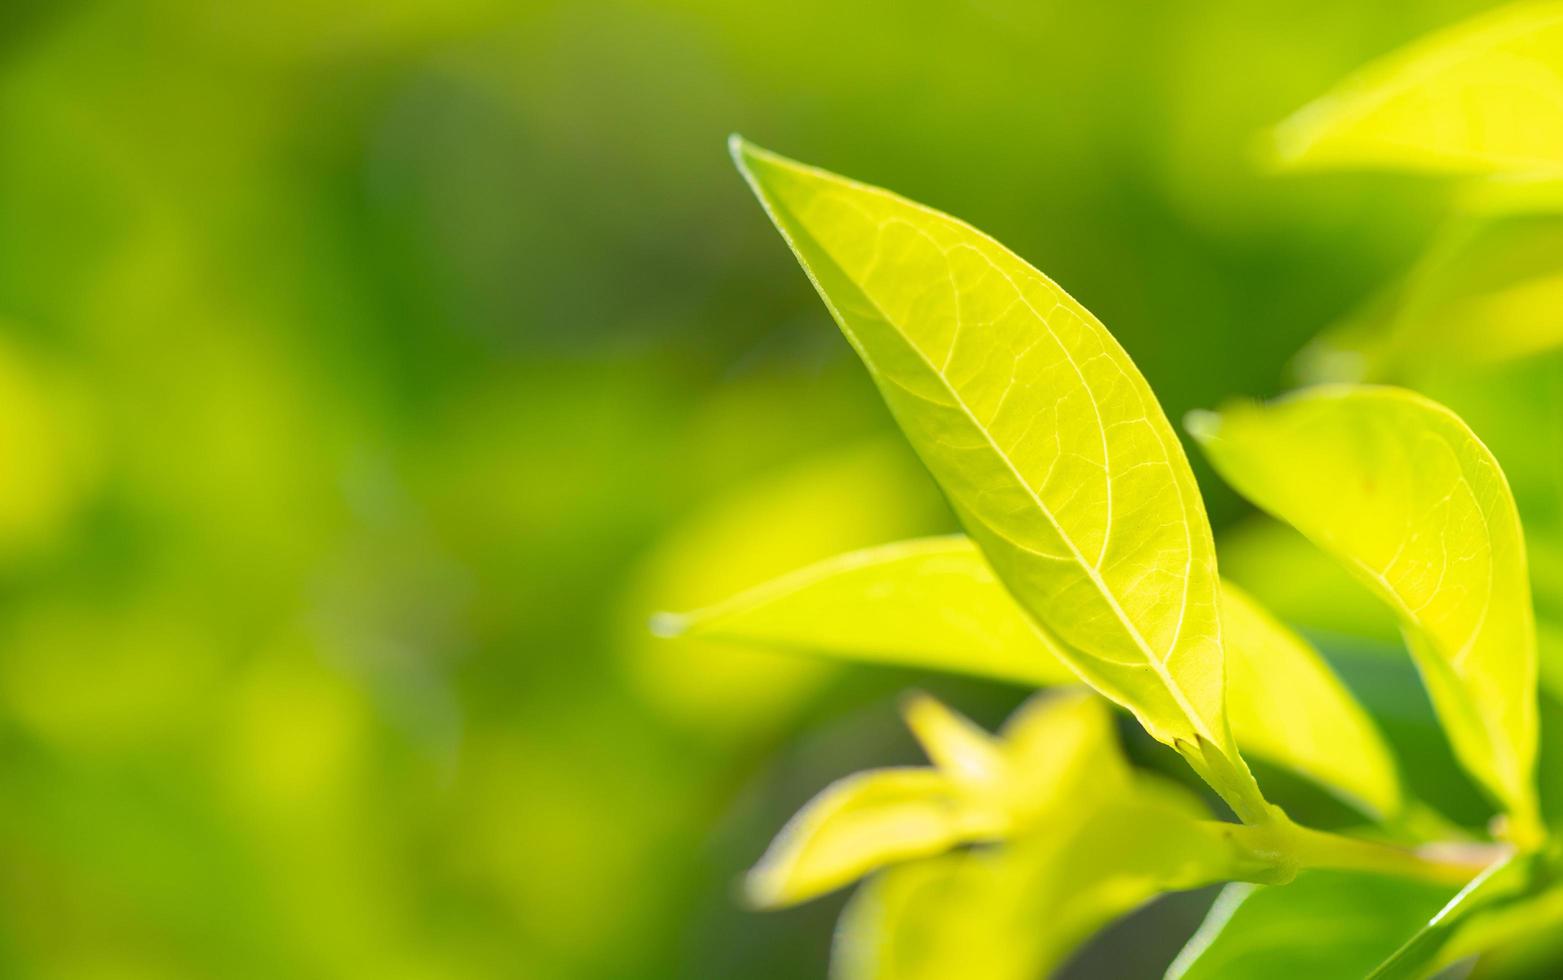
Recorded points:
(371,370)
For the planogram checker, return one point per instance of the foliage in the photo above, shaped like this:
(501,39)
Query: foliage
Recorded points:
(1082,512)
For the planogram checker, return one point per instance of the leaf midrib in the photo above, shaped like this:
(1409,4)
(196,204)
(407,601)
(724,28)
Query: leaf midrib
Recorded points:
(1156,665)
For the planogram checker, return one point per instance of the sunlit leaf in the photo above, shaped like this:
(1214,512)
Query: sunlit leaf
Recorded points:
(955,743)
(1062,746)
(1301,584)
(1015,912)
(1487,291)
(1286,705)
(847,498)
(1484,96)
(1399,489)
(861,823)
(1517,929)
(937,594)
(1047,441)
(1431,944)
(1323,924)
(931,602)
(1058,754)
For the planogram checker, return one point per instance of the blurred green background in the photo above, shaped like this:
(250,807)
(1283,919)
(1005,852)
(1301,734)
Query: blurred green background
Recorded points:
(370,371)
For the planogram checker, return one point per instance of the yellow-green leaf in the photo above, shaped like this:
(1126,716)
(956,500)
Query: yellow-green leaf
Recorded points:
(1045,438)
(955,744)
(1323,924)
(931,602)
(1401,490)
(1058,752)
(1488,290)
(863,822)
(1484,96)
(1061,745)
(1287,706)
(1014,912)
(934,603)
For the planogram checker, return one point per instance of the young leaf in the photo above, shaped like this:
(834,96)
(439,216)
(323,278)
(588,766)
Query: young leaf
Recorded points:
(955,744)
(931,602)
(1323,924)
(1061,748)
(1484,96)
(1044,436)
(1058,754)
(863,822)
(1014,912)
(1289,707)
(1398,488)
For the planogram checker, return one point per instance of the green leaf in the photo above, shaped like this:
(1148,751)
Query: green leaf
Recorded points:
(932,602)
(1487,291)
(1047,441)
(1015,911)
(955,744)
(1294,579)
(1401,491)
(861,823)
(1061,748)
(935,603)
(1429,946)
(859,494)
(1058,753)
(1484,96)
(1322,924)
(1287,706)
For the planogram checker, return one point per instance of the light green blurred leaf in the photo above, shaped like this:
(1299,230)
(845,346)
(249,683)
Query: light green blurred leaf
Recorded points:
(1486,291)
(1428,948)
(931,602)
(863,822)
(1287,706)
(846,498)
(1047,441)
(1301,584)
(1015,912)
(1399,489)
(955,744)
(1483,96)
(1323,924)
(1058,751)
(1061,748)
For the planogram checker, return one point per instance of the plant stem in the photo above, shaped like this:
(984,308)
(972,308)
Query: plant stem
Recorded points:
(1276,851)
(1230,777)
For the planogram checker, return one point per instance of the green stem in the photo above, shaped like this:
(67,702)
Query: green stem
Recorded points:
(1275,852)
(1232,780)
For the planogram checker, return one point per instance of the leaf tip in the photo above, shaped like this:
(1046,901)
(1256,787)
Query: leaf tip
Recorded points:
(737,147)
(764,887)
(1203,424)
(746,154)
(668,625)
(913,704)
